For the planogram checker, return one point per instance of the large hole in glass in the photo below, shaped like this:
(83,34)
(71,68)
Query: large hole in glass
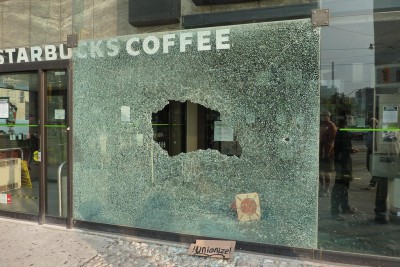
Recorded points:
(186,127)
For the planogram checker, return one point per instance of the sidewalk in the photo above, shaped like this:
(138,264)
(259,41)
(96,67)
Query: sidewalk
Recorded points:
(29,244)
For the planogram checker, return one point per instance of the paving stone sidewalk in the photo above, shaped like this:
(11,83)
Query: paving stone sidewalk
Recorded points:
(29,244)
(139,254)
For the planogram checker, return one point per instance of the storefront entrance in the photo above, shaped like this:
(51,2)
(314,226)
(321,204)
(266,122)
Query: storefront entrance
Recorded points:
(34,143)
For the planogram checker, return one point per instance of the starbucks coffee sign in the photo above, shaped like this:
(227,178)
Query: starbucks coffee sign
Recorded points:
(203,40)
(34,54)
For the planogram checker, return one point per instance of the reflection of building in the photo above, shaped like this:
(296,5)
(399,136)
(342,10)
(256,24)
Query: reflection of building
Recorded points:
(331,87)
(327,91)
(387,78)
(364,101)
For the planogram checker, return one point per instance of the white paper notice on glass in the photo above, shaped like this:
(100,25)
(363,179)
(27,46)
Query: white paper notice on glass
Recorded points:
(4,109)
(125,114)
(59,114)
(361,122)
(222,131)
(390,114)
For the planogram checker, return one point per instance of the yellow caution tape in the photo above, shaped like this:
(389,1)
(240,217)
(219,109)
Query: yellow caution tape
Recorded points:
(25,175)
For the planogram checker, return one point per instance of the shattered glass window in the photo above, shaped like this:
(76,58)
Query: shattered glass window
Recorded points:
(254,87)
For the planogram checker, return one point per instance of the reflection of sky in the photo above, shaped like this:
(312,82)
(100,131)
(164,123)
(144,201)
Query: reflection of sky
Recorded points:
(340,7)
(17,129)
(345,42)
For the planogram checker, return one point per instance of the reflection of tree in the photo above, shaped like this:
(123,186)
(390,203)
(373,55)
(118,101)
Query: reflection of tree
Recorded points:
(338,105)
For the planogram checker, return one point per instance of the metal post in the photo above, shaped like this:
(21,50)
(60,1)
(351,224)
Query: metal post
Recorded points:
(60,211)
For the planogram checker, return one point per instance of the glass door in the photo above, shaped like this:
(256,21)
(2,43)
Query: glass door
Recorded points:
(56,84)
(19,142)
(33,143)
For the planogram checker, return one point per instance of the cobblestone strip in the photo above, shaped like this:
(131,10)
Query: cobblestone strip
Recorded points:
(138,254)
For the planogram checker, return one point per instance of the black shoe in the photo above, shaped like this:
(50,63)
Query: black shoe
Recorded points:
(338,217)
(350,211)
(381,220)
(370,187)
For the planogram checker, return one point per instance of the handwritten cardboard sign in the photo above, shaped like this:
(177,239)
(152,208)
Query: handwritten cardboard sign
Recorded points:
(212,248)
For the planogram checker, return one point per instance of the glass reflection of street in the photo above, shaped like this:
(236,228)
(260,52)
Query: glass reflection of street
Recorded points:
(359,232)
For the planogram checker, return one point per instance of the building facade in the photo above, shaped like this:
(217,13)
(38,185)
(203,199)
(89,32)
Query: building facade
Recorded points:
(185,119)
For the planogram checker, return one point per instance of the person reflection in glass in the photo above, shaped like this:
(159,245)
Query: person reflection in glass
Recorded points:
(327,132)
(381,214)
(369,142)
(343,149)
(381,206)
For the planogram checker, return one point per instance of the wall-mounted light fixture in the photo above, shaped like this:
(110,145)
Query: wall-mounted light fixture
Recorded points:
(372,46)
